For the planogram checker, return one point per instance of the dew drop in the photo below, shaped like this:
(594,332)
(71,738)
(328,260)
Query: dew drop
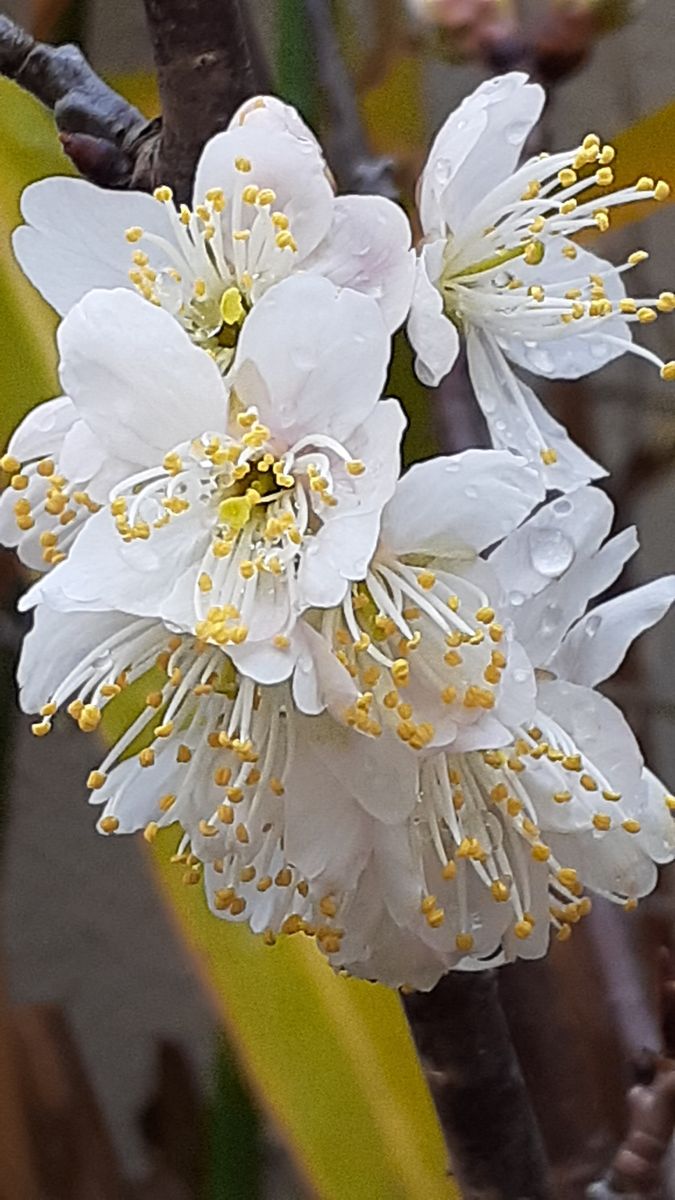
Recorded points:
(521,675)
(471,492)
(517,132)
(540,359)
(516,599)
(103,662)
(168,292)
(592,625)
(551,552)
(452,468)
(551,618)
(443,171)
(501,279)
(562,507)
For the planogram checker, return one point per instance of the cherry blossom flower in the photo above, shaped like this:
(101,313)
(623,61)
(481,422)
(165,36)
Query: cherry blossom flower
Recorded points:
(500,268)
(237,504)
(263,209)
(501,842)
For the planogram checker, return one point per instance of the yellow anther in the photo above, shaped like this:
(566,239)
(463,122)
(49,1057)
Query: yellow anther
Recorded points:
(41,728)
(400,671)
(538,224)
(88,718)
(638,256)
(464,942)
(205,582)
(449,695)
(266,196)
(562,797)
(662,190)
(644,184)
(630,905)
(668,371)
(534,253)
(570,251)
(666,302)
(602,822)
(537,293)
(284,877)
(499,891)
(453,603)
(183,754)
(242,164)
(250,194)
(567,177)
(604,177)
(280,220)
(247,569)
(571,762)
(150,832)
(627,305)
(285,240)
(231,306)
(588,783)
(355,467)
(523,929)
(540,852)
(631,826)
(108,824)
(20,483)
(485,615)
(163,194)
(449,871)
(134,234)
(646,315)
(147,757)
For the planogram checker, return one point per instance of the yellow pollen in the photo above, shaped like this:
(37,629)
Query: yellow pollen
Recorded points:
(534,253)
(464,942)
(588,783)
(40,728)
(231,306)
(668,371)
(242,164)
(250,194)
(499,891)
(548,456)
(355,467)
(540,852)
(400,671)
(147,757)
(485,615)
(522,929)
(644,184)
(266,196)
(163,194)
(662,190)
(183,754)
(602,822)
(453,603)
(646,315)
(567,177)
(631,826)
(604,177)
(108,824)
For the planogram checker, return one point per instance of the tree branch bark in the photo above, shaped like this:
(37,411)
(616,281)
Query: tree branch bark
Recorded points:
(471,1067)
(204,73)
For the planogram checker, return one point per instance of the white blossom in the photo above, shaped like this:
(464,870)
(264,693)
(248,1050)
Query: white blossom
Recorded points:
(263,209)
(500,268)
(500,843)
(236,504)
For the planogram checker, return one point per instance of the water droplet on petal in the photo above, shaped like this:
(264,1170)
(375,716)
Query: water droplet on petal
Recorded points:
(471,492)
(103,662)
(501,279)
(562,507)
(517,132)
(516,599)
(551,618)
(521,675)
(592,625)
(442,171)
(169,292)
(452,468)
(551,551)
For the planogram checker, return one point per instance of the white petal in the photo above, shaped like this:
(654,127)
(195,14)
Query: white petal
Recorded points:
(291,167)
(562,532)
(142,578)
(270,114)
(136,378)
(517,419)
(597,645)
(55,645)
(657,836)
(432,335)
(465,500)
(614,864)
(575,354)
(542,622)
(73,239)
(43,429)
(478,146)
(342,549)
(368,248)
(321,355)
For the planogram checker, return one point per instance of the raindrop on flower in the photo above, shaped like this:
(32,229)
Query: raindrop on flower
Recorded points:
(517,132)
(443,170)
(516,599)
(551,618)
(551,551)
(562,507)
(592,625)
(169,292)
(471,492)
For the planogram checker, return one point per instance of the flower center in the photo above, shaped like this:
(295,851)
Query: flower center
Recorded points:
(535,224)
(410,638)
(221,257)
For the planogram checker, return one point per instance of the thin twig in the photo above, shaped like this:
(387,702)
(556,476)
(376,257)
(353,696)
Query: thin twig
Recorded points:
(106,137)
(356,169)
(475,1079)
(204,73)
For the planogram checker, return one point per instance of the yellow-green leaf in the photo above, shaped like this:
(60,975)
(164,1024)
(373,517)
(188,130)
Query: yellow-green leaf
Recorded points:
(330,1057)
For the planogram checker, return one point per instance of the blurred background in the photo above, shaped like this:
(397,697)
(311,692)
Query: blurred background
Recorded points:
(147,1051)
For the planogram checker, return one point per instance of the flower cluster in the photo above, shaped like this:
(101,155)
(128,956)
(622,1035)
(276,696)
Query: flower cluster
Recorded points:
(368,699)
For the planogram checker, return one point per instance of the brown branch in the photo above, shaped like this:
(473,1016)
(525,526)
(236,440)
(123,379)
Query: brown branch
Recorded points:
(204,73)
(106,137)
(475,1079)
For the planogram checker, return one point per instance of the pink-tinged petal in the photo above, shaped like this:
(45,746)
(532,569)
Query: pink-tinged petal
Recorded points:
(73,239)
(367,248)
(136,378)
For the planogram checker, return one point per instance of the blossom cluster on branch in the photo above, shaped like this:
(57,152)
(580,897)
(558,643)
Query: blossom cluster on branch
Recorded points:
(368,698)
